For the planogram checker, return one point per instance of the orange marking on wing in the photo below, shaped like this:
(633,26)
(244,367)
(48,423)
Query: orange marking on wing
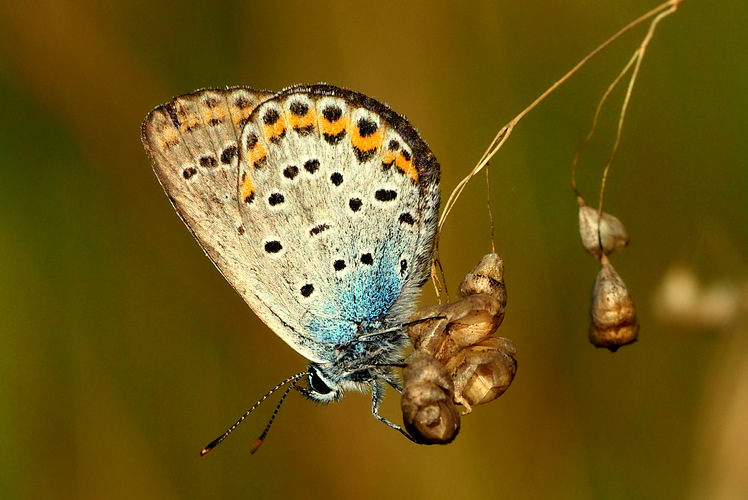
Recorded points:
(334,128)
(256,153)
(187,119)
(190,124)
(389,156)
(374,141)
(169,139)
(297,121)
(406,166)
(247,188)
(211,113)
(240,115)
(274,130)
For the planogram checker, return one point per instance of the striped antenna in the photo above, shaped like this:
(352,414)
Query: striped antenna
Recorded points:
(223,436)
(264,434)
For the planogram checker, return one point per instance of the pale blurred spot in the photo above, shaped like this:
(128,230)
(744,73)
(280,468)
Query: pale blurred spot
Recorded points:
(683,301)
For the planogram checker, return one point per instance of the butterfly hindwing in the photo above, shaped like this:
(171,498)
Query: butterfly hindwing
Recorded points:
(339,197)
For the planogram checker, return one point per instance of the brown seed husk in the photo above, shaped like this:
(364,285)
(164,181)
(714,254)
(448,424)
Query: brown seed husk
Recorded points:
(430,333)
(483,372)
(613,314)
(487,279)
(611,236)
(454,326)
(429,414)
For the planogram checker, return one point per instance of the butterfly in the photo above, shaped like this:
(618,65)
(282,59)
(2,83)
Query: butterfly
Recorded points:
(319,206)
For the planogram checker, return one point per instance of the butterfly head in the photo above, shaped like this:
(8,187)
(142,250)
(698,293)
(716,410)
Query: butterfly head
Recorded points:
(360,363)
(323,387)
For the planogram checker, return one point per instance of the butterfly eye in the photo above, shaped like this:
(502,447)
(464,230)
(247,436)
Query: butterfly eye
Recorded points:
(318,385)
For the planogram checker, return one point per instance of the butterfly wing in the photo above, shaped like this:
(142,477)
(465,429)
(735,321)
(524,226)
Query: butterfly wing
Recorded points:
(193,145)
(339,198)
(318,204)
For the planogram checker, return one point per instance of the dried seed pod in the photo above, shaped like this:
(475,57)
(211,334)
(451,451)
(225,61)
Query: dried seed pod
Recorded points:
(429,414)
(429,333)
(613,313)
(454,326)
(472,319)
(487,278)
(483,372)
(603,234)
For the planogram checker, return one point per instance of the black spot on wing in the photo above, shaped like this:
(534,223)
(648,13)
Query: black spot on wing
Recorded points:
(318,229)
(271,116)
(406,218)
(228,154)
(366,127)
(273,246)
(299,108)
(332,113)
(385,195)
(208,161)
(290,172)
(311,166)
(334,139)
(276,199)
(189,172)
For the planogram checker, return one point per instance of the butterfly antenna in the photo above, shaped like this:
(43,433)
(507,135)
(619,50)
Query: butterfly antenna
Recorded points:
(395,328)
(223,436)
(264,434)
(423,320)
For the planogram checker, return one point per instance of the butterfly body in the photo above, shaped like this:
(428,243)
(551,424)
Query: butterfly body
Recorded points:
(319,206)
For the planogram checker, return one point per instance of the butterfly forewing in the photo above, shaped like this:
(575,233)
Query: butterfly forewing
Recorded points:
(192,142)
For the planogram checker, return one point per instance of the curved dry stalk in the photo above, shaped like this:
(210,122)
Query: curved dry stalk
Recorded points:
(490,212)
(638,56)
(605,96)
(668,7)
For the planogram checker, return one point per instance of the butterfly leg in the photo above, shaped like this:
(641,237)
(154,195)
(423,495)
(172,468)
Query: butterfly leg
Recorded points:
(377,395)
(393,381)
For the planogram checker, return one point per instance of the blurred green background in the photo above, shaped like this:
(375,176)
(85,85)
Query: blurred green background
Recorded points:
(123,351)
